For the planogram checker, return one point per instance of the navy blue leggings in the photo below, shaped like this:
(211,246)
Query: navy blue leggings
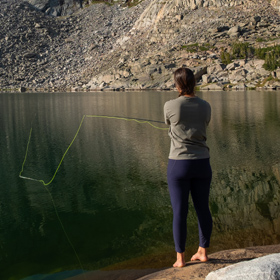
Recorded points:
(184,177)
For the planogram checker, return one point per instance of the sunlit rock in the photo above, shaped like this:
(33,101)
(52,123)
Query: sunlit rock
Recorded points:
(263,268)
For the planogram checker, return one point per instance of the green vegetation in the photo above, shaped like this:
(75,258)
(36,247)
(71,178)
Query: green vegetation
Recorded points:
(226,57)
(271,55)
(196,47)
(263,82)
(260,40)
(204,48)
(132,3)
(190,48)
(238,50)
(107,2)
(242,50)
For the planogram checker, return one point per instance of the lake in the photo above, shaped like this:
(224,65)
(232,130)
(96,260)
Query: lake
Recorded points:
(107,209)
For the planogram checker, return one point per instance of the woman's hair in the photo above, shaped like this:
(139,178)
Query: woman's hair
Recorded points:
(184,81)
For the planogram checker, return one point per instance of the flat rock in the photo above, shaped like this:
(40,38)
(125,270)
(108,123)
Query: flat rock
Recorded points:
(263,268)
(198,271)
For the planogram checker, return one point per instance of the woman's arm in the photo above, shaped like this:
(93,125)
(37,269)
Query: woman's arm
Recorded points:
(166,118)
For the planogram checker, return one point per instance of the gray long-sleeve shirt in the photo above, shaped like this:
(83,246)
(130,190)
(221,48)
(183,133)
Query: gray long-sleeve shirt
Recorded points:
(188,118)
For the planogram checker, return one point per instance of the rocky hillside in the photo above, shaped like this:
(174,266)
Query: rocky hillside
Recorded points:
(56,45)
(38,50)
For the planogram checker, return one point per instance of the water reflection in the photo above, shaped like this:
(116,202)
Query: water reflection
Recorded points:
(245,152)
(111,192)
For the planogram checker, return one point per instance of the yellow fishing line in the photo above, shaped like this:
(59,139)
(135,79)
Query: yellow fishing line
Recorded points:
(88,116)
(46,184)
(26,155)
(127,119)
(48,191)
(63,228)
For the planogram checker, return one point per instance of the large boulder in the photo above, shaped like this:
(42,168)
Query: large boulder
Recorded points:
(234,31)
(237,76)
(264,268)
(206,79)
(215,68)
(277,73)
(199,71)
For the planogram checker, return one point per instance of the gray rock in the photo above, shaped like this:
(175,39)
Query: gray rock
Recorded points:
(213,78)
(231,66)
(277,73)
(22,89)
(107,78)
(239,86)
(252,76)
(263,268)
(170,66)
(251,85)
(213,56)
(55,7)
(222,28)
(31,55)
(206,79)
(237,76)
(234,34)
(215,68)
(276,84)
(263,72)
(276,4)
(199,71)
(215,86)
(257,19)
(235,29)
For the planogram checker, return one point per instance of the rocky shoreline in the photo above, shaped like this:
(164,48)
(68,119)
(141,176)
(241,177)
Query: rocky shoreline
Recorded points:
(116,47)
(192,271)
(198,271)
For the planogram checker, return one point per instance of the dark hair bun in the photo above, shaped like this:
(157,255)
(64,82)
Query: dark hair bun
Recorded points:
(185,81)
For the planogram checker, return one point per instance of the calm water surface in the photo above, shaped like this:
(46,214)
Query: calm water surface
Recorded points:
(108,206)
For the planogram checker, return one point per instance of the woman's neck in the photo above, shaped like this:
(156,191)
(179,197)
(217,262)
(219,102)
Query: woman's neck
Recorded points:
(188,95)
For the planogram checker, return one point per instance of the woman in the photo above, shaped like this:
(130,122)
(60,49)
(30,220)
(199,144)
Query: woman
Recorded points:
(189,169)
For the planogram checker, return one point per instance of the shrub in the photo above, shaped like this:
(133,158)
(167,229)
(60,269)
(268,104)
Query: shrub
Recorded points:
(259,39)
(271,56)
(226,57)
(271,61)
(196,47)
(242,50)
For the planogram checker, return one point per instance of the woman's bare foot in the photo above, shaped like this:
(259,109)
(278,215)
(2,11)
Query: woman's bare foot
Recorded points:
(201,255)
(180,260)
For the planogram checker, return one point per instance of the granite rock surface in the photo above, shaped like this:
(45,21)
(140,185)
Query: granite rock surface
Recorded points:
(263,268)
